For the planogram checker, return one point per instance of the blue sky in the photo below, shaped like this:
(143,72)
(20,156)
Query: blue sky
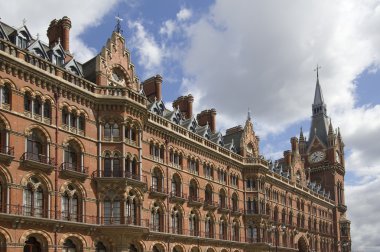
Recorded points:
(235,55)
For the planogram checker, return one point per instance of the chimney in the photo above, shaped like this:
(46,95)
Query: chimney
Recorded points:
(287,157)
(185,105)
(152,88)
(59,30)
(294,143)
(207,116)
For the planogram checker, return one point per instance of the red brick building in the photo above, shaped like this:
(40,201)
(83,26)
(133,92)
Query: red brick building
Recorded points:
(92,160)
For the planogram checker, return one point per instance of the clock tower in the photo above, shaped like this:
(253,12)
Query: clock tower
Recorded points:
(323,154)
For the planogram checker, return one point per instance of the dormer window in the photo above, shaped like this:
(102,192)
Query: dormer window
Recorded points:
(58,58)
(22,40)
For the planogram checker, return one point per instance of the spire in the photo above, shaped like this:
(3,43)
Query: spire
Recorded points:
(318,97)
(249,114)
(331,130)
(301,136)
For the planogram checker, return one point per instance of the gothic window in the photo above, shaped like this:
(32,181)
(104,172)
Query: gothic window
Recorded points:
(208,194)
(283,216)
(82,122)
(209,226)
(193,224)
(222,199)
(193,166)
(47,109)
(157,218)
(111,132)
(275,214)
(70,204)
(193,190)
(131,132)
(223,229)
(131,168)
(112,166)
(176,221)
(111,210)
(36,147)
(27,102)
(6,94)
(132,209)
(176,186)
(72,157)
(157,180)
(34,198)
(235,230)
(252,234)
(209,171)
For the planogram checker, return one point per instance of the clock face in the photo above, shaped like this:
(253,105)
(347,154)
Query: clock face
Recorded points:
(317,156)
(337,157)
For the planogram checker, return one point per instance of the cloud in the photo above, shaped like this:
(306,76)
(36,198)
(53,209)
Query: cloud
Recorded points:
(184,14)
(168,28)
(83,14)
(150,53)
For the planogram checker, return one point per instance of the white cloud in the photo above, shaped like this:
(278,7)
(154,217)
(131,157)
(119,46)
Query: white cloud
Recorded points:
(83,14)
(168,28)
(184,14)
(150,53)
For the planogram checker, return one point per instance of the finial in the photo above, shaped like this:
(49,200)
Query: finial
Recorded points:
(316,69)
(118,24)
(59,40)
(38,36)
(301,135)
(24,22)
(331,131)
(249,114)
(315,130)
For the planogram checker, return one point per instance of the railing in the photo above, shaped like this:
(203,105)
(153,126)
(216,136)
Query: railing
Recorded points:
(158,189)
(194,198)
(40,158)
(118,174)
(124,221)
(157,227)
(251,212)
(178,195)
(38,212)
(67,166)
(7,150)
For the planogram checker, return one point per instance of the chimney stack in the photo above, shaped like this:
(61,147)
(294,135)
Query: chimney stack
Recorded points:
(294,143)
(152,88)
(207,116)
(59,30)
(185,105)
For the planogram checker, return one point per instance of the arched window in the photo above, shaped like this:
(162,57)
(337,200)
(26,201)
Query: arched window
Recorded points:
(157,180)
(131,133)
(131,168)
(111,210)
(275,214)
(65,116)
(283,216)
(193,224)
(32,245)
(72,157)
(223,229)
(176,186)
(193,165)
(69,246)
(235,206)
(299,220)
(36,147)
(70,204)
(5,95)
(73,119)
(209,226)
(176,222)
(112,166)
(82,122)
(252,234)
(107,165)
(132,210)
(291,218)
(100,247)
(193,190)
(111,132)
(27,102)
(222,199)
(47,109)
(34,198)
(157,218)
(37,106)
(235,231)
(208,194)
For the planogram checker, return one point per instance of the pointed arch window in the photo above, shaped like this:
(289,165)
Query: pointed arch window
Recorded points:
(176,221)
(132,210)
(223,229)
(34,198)
(100,247)
(111,132)
(111,210)
(70,205)
(32,245)
(209,226)
(5,95)
(252,234)
(193,224)
(235,231)
(157,218)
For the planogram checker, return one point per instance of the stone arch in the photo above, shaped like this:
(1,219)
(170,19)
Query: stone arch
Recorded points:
(4,82)
(303,245)
(80,188)
(135,191)
(76,141)
(178,248)
(195,249)
(159,168)
(4,120)
(28,131)
(210,249)
(160,246)
(4,172)
(7,237)
(41,236)
(76,238)
(40,176)
(105,240)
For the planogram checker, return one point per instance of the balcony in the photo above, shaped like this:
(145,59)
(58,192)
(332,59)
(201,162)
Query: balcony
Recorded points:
(71,170)
(107,175)
(177,197)
(159,192)
(210,205)
(194,200)
(38,161)
(236,211)
(7,154)
(124,221)
(223,208)
(136,179)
